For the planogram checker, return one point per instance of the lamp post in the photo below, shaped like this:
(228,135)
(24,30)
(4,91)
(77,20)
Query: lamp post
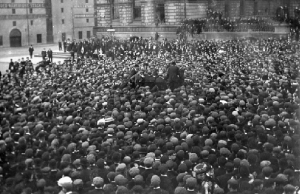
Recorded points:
(72,10)
(28,36)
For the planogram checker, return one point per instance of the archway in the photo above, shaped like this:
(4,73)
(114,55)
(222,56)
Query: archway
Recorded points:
(15,38)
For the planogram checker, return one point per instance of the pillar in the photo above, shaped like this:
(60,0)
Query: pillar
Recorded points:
(293,5)
(234,8)
(219,6)
(174,11)
(274,4)
(263,7)
(196,9)
(125,12)
(103,13)
(148,12)
(248,8)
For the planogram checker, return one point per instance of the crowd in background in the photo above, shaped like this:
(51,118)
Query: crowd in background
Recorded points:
(216,22)
(197,26)
(76,128)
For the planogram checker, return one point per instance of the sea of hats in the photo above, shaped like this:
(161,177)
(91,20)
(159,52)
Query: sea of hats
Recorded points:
(234,132)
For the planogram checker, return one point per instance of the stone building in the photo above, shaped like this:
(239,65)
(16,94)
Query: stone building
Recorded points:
(73,19)
(24,22)
(171,12)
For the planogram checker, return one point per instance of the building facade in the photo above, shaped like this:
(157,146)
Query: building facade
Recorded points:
(26,22)
(73,19)
(172,12)
(19,20)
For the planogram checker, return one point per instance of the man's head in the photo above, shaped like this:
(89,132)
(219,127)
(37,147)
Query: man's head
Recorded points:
(232,184)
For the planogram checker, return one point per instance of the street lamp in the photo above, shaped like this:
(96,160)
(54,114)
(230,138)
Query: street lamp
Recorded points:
(73,32)
(28,36)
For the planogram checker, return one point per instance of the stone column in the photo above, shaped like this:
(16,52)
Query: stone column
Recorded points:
(219,6)
(274,4)
(248,8)
(148,12)
(293,5)
(125,12)
(196,9)
(263,8)
(174,12)
(234,8)
(103,14)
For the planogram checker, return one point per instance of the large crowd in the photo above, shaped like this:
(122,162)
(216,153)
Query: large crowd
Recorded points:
(216,22)
(219,24)
(77,127)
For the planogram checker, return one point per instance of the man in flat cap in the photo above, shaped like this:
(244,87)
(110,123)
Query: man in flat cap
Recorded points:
(173,75)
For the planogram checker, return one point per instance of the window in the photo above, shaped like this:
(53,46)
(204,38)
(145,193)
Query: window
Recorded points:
(13,11)
(1,40)
(12,1)
(63,21)
(87,10)
(62,10)
(31,22)
(80,34)
(30,1)
(86,1)
(39,38)
(30,10)
(62,1)
(88,34)
(14,23)
(87,20)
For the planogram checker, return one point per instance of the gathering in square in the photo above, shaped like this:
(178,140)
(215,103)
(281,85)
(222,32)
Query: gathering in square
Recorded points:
(209,106)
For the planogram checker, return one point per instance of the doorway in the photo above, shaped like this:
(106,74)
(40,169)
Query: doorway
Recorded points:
(15,38)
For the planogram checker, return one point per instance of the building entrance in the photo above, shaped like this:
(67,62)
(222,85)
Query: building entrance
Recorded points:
(15,38)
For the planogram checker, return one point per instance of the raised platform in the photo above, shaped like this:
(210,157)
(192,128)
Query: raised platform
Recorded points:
(57,54)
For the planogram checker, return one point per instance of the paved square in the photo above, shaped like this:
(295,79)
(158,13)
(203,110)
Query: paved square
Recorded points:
(8,53)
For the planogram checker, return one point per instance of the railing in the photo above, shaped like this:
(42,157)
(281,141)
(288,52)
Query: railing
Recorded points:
(139,29)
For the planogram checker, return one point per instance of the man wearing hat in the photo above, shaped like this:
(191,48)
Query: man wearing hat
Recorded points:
(148,161)
(204,174)
(98,183)
(233,186)
(225,177)
(155,186)
(173,75)
(66,184)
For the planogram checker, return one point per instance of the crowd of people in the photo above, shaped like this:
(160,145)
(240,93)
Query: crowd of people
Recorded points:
(219,24)
(78,127)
